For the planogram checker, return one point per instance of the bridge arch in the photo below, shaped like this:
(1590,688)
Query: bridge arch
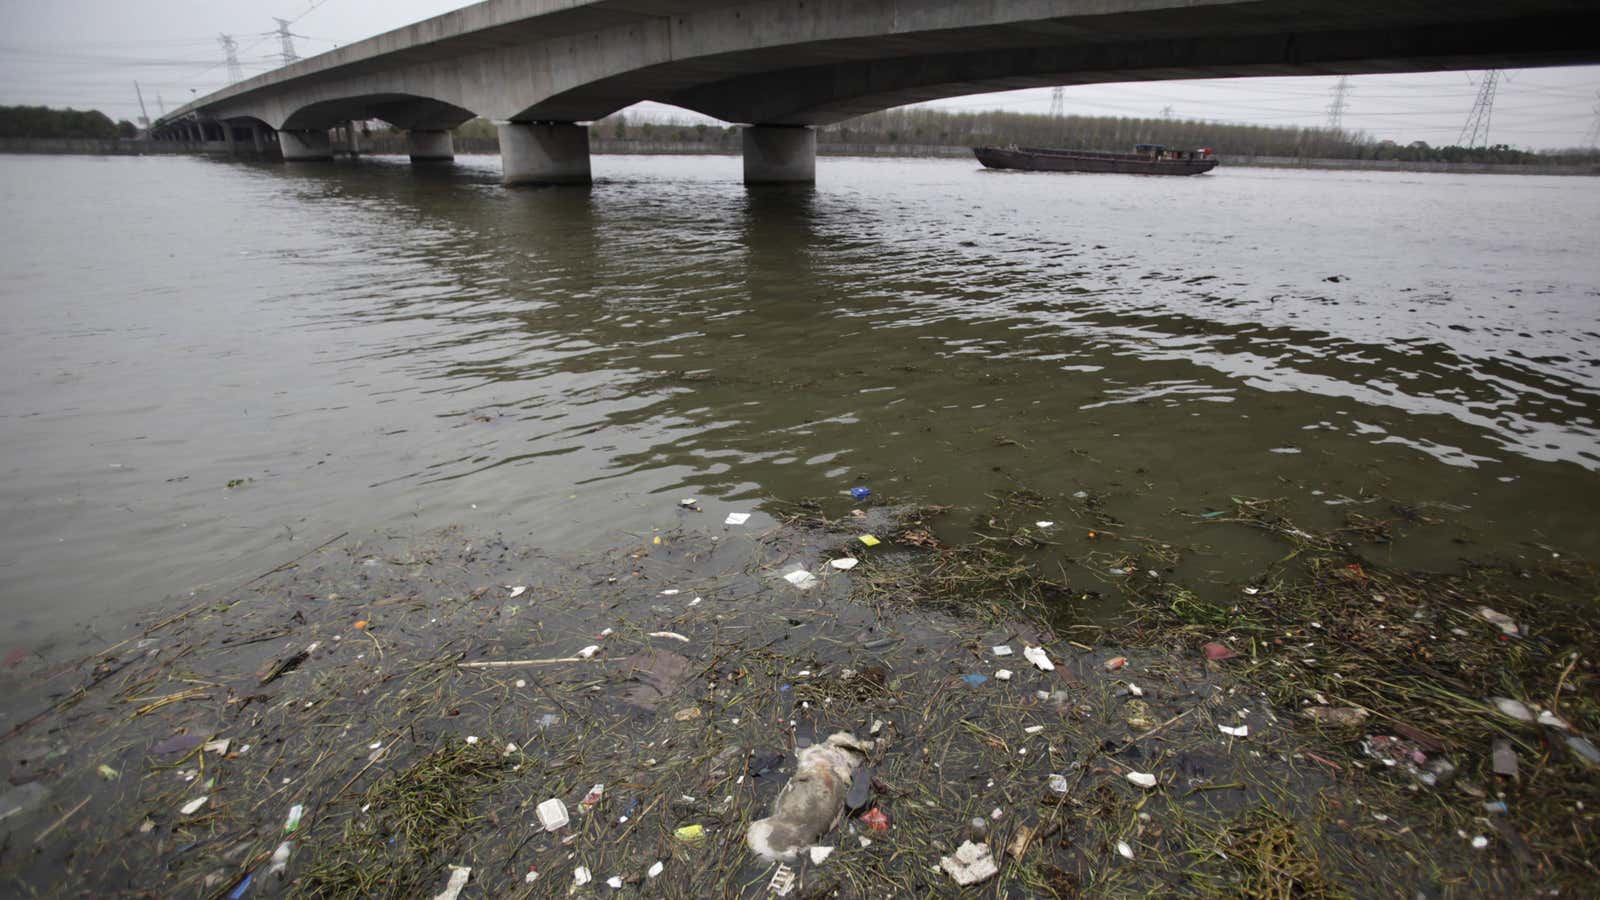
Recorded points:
(406,111)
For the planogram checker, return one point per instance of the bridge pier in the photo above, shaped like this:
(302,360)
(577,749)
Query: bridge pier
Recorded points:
(780,154)
(302,146)
(544,153)
(430,146)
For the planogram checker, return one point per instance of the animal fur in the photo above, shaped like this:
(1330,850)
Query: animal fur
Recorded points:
(812,803)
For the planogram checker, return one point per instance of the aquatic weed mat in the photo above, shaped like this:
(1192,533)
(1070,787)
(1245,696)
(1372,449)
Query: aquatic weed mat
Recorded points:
(451,690)
(1456,711)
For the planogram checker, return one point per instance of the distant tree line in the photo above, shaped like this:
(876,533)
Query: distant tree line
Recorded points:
(44,122)
(924,126)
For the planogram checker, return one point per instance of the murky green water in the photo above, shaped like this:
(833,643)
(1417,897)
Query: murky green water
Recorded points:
(371,348)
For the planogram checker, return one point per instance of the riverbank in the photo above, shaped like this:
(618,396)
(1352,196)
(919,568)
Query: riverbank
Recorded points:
(393,144)
(381,711)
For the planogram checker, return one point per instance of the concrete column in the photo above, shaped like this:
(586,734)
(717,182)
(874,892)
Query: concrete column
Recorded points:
(257,139)
(227,137)
(544,153)
(780,154)
(431,146)
(305,145)
(353,144)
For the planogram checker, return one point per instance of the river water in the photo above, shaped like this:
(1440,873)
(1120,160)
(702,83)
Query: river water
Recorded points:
(376,349)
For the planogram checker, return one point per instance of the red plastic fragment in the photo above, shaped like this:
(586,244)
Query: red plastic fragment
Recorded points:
(876,819)
(1217,652)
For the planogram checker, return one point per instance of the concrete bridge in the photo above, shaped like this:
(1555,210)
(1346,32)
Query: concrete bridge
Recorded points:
(541,69)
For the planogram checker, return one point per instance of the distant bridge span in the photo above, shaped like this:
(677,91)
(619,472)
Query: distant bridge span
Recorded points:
(541,68)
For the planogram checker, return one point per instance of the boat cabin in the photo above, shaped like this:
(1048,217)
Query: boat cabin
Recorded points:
(1160,151)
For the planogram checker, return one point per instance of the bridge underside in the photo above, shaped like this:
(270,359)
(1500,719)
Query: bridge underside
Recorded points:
(771,63)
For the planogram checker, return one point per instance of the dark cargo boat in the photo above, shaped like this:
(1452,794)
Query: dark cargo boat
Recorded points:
(1146,159)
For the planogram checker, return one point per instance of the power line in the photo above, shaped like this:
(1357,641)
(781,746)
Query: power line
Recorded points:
(1477,127)
(1336,108)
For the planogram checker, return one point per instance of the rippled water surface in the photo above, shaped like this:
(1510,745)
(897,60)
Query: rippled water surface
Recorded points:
(371,348)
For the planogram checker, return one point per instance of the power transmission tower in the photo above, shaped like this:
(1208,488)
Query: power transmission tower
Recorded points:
(287,40)
(1476,132)
(144,114)
(161,105)
(1058,102)
(1592,141)
(1167,112)
(1336,108)
(231,48)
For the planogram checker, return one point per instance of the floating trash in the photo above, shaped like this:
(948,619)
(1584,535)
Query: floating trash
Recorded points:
(1142,779)
(1039,657)
(736,519)
(970,864)
(801,579)
(844,564)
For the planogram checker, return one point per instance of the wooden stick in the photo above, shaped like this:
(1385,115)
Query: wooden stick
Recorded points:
(507,663)
(61,821)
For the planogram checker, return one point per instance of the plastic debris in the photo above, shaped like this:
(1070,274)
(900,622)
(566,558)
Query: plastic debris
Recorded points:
(1500,620)
(1546,717)
(876,819)
(869,540)
(1344,716)
(1585,750)
(860,790)
(1124,850)
(517,591)
(1135,690)
(736,519)
(673,635)
(589,651)
(782,881)
(860,493)
(219,747)
(244,885)
(844,563)
(1116,663)
(655,869)
(472,739)
(1218,652)
(687,713)
(818,854)
(593,797)
(1044,524)
(108,773)
(581,876)
(1512,709)
(688,503)
(1033,729)
(553,814)
(971,864)
(974,680)
(280,859)
(1003,675)
(531,877)
(1503,758)
(801,579)
(1480,842)
(1239,732)
(812,803)
(1142,779)
(292,824)
(691,834)
(1001,650)
(1059,784)
(1038,657)
(178,743)
(194,805)
(614,882)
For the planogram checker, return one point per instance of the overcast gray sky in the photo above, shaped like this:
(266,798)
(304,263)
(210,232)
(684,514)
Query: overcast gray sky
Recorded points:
(88,53)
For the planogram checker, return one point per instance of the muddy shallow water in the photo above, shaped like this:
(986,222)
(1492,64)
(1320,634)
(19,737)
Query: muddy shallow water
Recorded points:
(208,366)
